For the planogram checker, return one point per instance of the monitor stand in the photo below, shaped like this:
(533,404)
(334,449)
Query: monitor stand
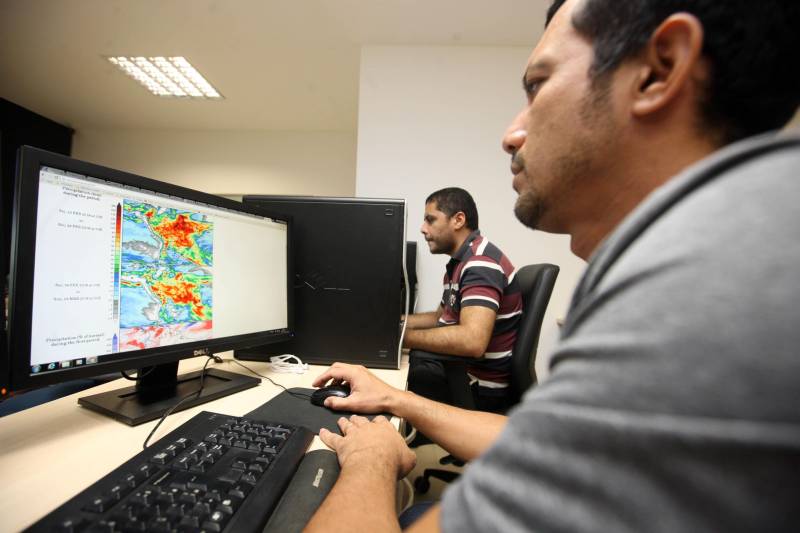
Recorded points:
(160,388)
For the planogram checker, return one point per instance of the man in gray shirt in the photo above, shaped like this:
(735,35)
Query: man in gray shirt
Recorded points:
(673,402)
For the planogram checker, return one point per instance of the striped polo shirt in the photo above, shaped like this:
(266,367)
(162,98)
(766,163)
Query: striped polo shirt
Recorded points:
(480,274)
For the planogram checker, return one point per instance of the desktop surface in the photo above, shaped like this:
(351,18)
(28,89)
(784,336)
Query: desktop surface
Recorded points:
(50,452)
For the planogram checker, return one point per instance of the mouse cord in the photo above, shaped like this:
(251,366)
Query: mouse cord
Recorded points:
(295,394)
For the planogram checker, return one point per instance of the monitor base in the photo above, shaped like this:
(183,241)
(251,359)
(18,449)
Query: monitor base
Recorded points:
(130,406)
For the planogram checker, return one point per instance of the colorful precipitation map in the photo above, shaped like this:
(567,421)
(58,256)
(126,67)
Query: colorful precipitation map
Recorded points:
(165,276)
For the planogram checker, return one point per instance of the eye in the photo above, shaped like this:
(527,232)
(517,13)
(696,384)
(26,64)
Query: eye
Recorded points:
(532,86)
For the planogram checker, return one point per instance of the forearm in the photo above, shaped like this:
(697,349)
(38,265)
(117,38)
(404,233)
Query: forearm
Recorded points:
(367,485)
(463,433)
(451,340)
(422,320)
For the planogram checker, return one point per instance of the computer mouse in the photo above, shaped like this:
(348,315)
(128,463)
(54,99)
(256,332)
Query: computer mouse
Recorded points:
(319,395)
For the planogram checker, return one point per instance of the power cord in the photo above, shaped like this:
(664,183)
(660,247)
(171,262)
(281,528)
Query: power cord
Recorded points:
(218,359)
(182,400)
(287,364)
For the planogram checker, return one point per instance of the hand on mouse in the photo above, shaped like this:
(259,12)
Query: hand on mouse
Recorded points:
(374,444)
(368,394)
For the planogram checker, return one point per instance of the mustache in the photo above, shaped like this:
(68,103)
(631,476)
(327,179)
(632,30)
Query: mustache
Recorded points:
(517,165)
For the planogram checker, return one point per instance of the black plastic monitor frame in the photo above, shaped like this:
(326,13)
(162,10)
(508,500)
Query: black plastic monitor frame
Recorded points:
(30,161)
(324,333)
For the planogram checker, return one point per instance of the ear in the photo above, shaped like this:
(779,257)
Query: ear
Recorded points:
(669,60)
(458,220)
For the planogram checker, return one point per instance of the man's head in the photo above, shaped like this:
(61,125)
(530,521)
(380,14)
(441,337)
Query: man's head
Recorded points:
(450,216)
(622,95)
(751,47)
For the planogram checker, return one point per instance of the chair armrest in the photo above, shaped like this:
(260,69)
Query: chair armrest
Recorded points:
(442,357)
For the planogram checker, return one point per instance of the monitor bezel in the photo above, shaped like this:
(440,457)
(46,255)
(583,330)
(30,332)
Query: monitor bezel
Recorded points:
(22,253)
(331,352)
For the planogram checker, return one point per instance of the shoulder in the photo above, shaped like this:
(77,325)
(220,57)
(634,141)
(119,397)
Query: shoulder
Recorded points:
(485,253)
(701,295)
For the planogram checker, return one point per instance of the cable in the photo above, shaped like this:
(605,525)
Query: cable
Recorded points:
(283,364)
(172,409)
(295,394)
(405,282)
(134,378)
(217,359)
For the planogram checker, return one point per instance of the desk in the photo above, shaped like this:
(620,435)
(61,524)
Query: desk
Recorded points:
(50,452)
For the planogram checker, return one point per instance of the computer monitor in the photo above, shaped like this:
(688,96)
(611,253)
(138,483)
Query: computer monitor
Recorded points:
(112,271)
(348,284)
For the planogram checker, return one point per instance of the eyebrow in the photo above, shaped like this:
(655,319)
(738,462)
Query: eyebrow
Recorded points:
(542,64)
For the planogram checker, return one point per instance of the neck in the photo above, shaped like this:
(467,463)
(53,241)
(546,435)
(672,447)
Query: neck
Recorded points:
(635,179)
(461,237)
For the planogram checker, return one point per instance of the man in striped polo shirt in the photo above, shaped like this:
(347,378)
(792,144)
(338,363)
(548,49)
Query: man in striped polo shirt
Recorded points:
(480,309)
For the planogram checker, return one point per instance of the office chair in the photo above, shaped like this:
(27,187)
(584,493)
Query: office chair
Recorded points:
(536,285)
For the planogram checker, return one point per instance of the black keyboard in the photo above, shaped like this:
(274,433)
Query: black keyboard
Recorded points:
(213,473)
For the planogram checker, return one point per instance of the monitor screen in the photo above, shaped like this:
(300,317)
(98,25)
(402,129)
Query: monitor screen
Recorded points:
(113,271)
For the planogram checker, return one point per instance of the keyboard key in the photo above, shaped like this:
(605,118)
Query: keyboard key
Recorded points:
(119,491)
(71,525)
(159,524)
(190,521)
(264,459)
(240,490)
(160,458)
(197,484)
(227,506)
(199,468)
(98,504)
(216,521)
(143,497)
(172,450)
(230,476)
(175,512)
(145,470)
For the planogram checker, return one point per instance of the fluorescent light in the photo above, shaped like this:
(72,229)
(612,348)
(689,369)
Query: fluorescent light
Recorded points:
(166,76)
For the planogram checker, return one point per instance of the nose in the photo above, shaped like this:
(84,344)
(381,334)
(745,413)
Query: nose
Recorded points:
(515,135)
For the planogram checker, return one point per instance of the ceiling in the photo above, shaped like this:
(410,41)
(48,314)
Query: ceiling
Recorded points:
(281,65)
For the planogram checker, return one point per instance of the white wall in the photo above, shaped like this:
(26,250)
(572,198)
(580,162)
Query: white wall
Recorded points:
(229,162)
(432,117)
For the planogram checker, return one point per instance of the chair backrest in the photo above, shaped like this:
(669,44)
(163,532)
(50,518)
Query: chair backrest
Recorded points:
(536,284)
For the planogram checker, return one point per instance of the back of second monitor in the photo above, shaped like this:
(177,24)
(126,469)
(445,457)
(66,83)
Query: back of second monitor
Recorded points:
(348,256)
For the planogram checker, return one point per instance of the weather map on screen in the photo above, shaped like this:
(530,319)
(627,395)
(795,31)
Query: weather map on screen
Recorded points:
(166,276)
(120,269)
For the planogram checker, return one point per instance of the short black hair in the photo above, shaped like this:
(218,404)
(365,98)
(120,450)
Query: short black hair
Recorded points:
(451,200)
(752,46)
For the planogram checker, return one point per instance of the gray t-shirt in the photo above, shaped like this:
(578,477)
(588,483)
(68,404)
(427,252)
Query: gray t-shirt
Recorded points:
(674,398)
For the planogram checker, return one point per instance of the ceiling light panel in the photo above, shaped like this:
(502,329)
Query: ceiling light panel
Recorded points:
(166,76)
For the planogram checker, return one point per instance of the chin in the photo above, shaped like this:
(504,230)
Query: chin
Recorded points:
(528,210)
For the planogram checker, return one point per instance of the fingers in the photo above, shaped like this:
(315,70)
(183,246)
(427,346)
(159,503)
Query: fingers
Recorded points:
(346,424)
(331,439)
(359,420)
(336,404)
(343,424)
(337,371)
